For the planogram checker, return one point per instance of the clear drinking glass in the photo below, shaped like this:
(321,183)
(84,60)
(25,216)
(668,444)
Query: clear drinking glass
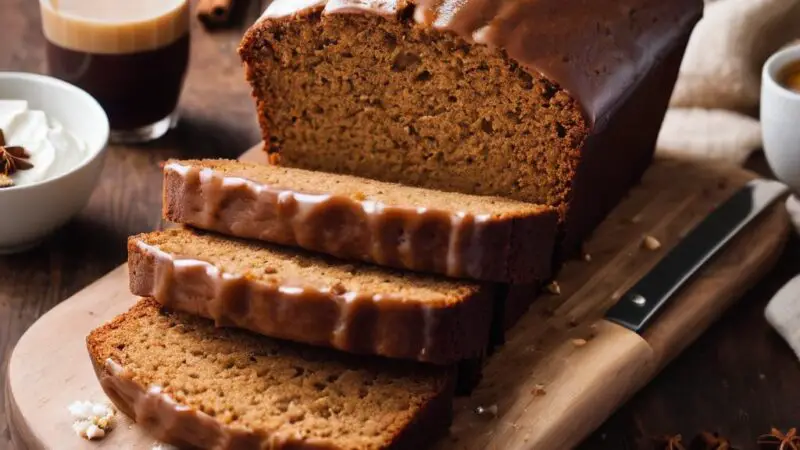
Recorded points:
(131,55)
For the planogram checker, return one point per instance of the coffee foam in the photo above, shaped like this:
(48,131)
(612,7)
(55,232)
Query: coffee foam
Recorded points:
(114,26)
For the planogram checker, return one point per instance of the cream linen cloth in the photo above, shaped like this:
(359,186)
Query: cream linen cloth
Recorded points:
(720,79)
(716,93)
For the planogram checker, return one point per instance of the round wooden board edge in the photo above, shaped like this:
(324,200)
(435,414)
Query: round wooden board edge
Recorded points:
(13,414)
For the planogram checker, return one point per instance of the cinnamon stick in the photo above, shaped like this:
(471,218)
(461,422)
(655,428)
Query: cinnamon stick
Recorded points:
(214,12)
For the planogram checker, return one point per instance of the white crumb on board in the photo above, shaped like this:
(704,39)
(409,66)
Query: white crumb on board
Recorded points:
(92,420)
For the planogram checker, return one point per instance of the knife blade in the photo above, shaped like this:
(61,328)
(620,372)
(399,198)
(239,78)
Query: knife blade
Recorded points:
(640,304)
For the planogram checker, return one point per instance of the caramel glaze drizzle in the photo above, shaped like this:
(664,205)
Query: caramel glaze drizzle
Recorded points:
(382,324)
(177,424)
(420,239)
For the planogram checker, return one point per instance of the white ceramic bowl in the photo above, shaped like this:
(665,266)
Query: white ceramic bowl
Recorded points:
(28,213)
(780,119)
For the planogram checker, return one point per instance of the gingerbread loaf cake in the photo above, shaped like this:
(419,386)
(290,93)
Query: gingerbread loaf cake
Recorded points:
(458,235)
(291,294)
(193,385)
(554,102)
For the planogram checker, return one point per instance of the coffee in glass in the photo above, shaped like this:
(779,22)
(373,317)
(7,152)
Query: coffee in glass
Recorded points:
(131,55)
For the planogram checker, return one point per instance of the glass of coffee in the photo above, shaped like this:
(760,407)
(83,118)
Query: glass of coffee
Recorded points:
(131,55)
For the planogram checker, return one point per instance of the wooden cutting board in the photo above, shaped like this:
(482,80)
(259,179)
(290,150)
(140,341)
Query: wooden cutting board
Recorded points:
(562,371)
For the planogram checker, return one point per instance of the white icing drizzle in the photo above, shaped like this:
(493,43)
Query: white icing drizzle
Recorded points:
(180,169)
(289,290)
(374,210)
(429,318)
(419,15)
(454,258)
(279,9)
(306,204)
(386,8)
(340,332)
(481,35)
(211,194)
(372,206)
(478,228)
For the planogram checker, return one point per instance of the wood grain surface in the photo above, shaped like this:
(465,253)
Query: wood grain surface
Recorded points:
(563,370)
(739,378)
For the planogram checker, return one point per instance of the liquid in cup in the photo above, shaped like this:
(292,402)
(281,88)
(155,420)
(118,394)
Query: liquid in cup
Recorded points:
(131,55)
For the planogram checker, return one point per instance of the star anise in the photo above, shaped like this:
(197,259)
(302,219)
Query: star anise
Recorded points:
(12,157)
(777,439)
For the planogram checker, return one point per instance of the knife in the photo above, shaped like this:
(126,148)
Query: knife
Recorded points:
(639,305)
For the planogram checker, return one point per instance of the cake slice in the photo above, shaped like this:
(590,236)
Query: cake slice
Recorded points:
(459,235)
(308,298)
(193,385)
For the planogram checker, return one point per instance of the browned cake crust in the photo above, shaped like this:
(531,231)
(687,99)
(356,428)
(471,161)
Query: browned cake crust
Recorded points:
(555,102)
(458,235)
(196,386)
(306,298)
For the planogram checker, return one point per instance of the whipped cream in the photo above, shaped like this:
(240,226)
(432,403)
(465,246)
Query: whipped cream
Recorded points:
(53,150)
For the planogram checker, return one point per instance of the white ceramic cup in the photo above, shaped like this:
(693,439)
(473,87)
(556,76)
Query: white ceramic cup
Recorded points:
(780,119)
(28,213)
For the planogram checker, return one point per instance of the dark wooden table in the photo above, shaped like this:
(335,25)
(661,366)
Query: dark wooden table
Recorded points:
(739,378)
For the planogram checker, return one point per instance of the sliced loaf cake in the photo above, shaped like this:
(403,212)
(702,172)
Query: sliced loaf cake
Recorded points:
(556,102)
(193,385)
(295,295)
(459,235)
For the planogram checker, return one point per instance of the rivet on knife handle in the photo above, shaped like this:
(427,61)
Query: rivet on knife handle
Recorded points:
(638,306)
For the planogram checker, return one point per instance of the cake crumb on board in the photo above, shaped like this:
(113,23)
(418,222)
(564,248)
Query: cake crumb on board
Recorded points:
(553,288)
(651,243)
(579,342)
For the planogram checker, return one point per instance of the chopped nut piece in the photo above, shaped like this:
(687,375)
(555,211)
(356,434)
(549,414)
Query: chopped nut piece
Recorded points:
(553,288)
(651,243)
(587,257)
(538,390)
(579,342)
(269,270)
